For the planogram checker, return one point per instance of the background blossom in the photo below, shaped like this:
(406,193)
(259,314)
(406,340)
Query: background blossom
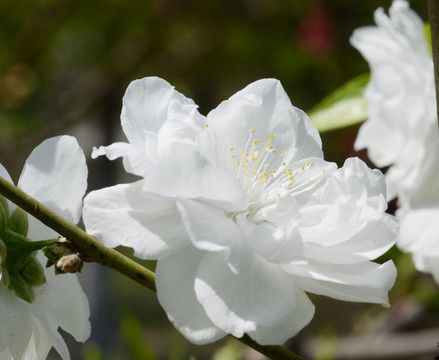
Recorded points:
(402,130)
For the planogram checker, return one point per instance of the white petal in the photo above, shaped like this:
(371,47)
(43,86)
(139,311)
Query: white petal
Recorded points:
(175,277)
(363,282)
(418,232)
(15,324)
(290,326)
(265,107)
(191,176)
(135,161)
(146,105)
(55,173)
(211,230)
(44,336)
(370,242)
(240,303)
(125,215)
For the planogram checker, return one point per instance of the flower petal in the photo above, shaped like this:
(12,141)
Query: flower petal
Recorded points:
(211,230)
(264,107)
(134,161)
(146,106)
(55,173)
(418,232)
(175,277)
(363,282)
(290,326)
(191,176)
(125,215)
(240,303)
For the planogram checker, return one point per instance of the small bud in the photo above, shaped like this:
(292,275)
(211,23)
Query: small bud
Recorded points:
(69,264)
(22,288)
(4,205)
(33,272)
(18,222)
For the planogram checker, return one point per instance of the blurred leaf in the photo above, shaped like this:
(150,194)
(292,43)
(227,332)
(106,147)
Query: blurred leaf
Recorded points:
(131,329)
(92,352)
(428,36)
(232,350)
(344,107)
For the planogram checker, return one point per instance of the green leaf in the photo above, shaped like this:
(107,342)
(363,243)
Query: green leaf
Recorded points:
(346,106)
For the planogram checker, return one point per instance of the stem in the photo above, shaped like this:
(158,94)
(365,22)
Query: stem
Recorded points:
(94,251)
(433,15)
(90,248)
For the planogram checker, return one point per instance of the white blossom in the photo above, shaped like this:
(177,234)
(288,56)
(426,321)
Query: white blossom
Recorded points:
(55,174)
(402,131)
(242,213)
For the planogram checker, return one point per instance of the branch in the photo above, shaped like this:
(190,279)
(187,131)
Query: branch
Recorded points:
(94,251)
(90,248)
(433,15)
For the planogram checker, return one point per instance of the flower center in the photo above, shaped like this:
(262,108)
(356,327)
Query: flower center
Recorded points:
(264,171)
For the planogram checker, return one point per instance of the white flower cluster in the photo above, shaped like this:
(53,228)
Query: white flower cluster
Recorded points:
(242,213)
(402,132)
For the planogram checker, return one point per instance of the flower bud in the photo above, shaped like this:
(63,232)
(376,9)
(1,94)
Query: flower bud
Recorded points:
(69,264)
(4,205)
(18,222)
(3,219)
(33,272)
(21,287)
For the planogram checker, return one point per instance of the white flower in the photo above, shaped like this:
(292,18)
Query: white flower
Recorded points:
(55,174)
(401,95)
(242,213)
(402,131)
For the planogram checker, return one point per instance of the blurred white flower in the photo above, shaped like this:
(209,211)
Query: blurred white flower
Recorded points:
(242,213)
(401,95)
(402,130)
(55,174)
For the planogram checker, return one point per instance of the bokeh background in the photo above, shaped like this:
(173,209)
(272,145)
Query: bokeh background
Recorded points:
(64,67)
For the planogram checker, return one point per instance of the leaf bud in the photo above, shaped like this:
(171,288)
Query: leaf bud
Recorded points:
(33,272)
(18,222)
(69,264)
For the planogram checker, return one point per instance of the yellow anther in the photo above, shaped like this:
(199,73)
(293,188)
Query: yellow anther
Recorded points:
(252,131)
(284,163)
(237,163)
(266,166)
(256,141)
(246,154)
(273,152)
(291,177)
(231,148)
(323,171)
(289,187)
(233,155)
(270,148)
(274,171)
(302,168)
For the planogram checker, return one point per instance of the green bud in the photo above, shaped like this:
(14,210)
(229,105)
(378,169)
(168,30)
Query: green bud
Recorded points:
(5,277)
(56,251)
(4,205)
(3,219)
(18,222)
(21,287)
(33,272)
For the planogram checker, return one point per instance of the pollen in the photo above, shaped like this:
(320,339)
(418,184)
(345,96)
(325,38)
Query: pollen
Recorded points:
(206,125)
